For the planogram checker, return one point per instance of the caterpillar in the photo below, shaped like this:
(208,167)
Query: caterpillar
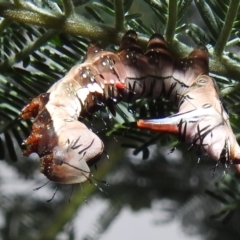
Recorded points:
(67,148)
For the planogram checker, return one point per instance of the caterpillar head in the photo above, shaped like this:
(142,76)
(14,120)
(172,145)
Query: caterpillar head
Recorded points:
(77,149)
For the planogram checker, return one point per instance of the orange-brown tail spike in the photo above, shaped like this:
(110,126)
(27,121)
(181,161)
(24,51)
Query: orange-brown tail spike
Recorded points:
(160,125)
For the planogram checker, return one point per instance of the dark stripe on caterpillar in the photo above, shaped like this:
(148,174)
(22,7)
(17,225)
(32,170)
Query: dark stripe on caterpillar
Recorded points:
(104,79)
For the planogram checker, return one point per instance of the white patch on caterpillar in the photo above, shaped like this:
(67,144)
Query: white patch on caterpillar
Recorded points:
(97,88)
(82,93)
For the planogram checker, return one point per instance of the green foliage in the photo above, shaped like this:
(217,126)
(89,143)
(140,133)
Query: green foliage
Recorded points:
(41,40)
(228,193)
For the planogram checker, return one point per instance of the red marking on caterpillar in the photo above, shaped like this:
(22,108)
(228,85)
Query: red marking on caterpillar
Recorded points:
(67,148)
(120,86)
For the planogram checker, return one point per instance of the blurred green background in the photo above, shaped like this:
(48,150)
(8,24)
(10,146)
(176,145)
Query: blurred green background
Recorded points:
(150,193)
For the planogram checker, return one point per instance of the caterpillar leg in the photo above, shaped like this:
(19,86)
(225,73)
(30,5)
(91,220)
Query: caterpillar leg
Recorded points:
(34,107)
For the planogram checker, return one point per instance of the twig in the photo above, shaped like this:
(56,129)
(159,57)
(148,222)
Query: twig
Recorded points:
(101,32)
(227,28)
(68,8)
(78,26)
(119,15)
(171,21)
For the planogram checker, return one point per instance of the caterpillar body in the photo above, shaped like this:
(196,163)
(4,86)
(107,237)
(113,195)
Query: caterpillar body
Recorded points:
(67,148)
